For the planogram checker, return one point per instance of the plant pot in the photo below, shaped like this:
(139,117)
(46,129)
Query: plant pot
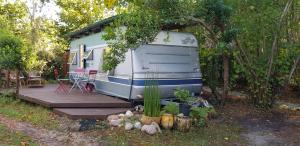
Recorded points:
(146,120)
(185,109)
(167,121)
(183,124)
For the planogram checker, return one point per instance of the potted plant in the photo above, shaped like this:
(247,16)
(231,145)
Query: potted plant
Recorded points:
(167,119)
(185,99)
(151,103)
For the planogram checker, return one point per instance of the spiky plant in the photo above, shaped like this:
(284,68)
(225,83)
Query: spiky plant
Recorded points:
(151,98)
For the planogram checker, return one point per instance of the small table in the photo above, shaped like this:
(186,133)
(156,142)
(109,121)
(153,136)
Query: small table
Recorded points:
(77,77)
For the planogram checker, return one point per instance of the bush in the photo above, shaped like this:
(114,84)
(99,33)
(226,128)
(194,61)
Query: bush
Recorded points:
(201,114)
(182,94)
(171,108)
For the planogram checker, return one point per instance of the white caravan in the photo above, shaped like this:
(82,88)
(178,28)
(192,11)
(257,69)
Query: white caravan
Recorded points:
(173,57)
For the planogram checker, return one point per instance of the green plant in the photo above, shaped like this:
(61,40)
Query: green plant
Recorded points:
(182,94)
(201,114)
(171,108)
(151,99)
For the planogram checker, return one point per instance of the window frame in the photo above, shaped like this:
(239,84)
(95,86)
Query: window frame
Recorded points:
(74,59)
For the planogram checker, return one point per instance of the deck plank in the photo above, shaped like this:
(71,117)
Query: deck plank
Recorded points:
(47,96)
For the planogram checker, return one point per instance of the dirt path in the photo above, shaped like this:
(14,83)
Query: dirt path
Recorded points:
(275,128)
(49,137)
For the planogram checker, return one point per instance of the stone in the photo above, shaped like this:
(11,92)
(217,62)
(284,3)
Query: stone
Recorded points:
(115,123)
(75,126)
(151,129)
(137,125)
(128,126)
(180,115)
(121,115)
(112,117)
(128,113)
(139,108)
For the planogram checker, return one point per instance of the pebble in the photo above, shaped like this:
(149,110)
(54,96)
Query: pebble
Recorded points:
(137,125)
(112,117)
(128,126)
(128,113)
(115,122)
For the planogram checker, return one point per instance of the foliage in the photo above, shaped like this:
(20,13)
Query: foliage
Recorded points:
(201,114)
(171,108)
(182,94)
(77,14)
(256,43)
(151,98)
(10,52)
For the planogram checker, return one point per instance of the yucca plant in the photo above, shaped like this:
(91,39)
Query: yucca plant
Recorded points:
(151,98)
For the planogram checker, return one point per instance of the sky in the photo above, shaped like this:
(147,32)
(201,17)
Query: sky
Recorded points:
(49,10)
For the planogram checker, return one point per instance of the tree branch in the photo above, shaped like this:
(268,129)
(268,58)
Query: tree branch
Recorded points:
(274,45)
(206,27)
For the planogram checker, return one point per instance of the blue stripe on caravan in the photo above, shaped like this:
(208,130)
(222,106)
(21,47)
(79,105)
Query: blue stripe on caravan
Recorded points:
(160,82)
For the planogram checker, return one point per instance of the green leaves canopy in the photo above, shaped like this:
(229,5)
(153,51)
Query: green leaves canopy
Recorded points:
(10,52)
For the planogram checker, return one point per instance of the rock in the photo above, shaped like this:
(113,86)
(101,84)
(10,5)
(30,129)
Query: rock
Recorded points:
(128,126)
(128,113)
(180,115)
(112,117)
(75,126)
(121,115)
(151,129)
(115,122)
(137,125)
(139,108)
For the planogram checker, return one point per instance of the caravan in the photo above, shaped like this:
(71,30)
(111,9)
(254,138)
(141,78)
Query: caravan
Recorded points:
(172,57)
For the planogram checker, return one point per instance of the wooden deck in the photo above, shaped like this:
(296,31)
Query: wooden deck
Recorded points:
(75,104)
(46,96)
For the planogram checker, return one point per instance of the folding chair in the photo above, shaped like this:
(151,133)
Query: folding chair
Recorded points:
(90,81)
(62,86)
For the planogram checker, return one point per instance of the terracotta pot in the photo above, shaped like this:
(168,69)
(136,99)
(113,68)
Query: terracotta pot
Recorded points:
(183,123)
(167,121)
(148,120)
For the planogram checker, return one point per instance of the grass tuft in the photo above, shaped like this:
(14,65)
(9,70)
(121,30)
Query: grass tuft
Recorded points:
(13,107)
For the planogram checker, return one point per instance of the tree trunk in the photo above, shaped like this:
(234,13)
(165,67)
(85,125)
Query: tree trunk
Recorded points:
(17,82)
(7,78)
(225,76)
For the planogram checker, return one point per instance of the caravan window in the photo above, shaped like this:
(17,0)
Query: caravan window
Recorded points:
(73,58)
(89,55)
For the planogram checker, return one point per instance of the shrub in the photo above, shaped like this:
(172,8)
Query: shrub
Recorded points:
(201,114)
(182,94)
(171,108)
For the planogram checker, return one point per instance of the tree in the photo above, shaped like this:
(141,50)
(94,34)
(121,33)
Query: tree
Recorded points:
(11,55)
(77,14)
(145,19)
(263,51)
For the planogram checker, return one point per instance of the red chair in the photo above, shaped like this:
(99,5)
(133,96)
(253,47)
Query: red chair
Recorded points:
(90,81)
(62,82)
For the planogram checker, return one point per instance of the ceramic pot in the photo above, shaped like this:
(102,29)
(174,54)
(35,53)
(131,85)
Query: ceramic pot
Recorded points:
(167,121)
(146,120)
(183,124)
